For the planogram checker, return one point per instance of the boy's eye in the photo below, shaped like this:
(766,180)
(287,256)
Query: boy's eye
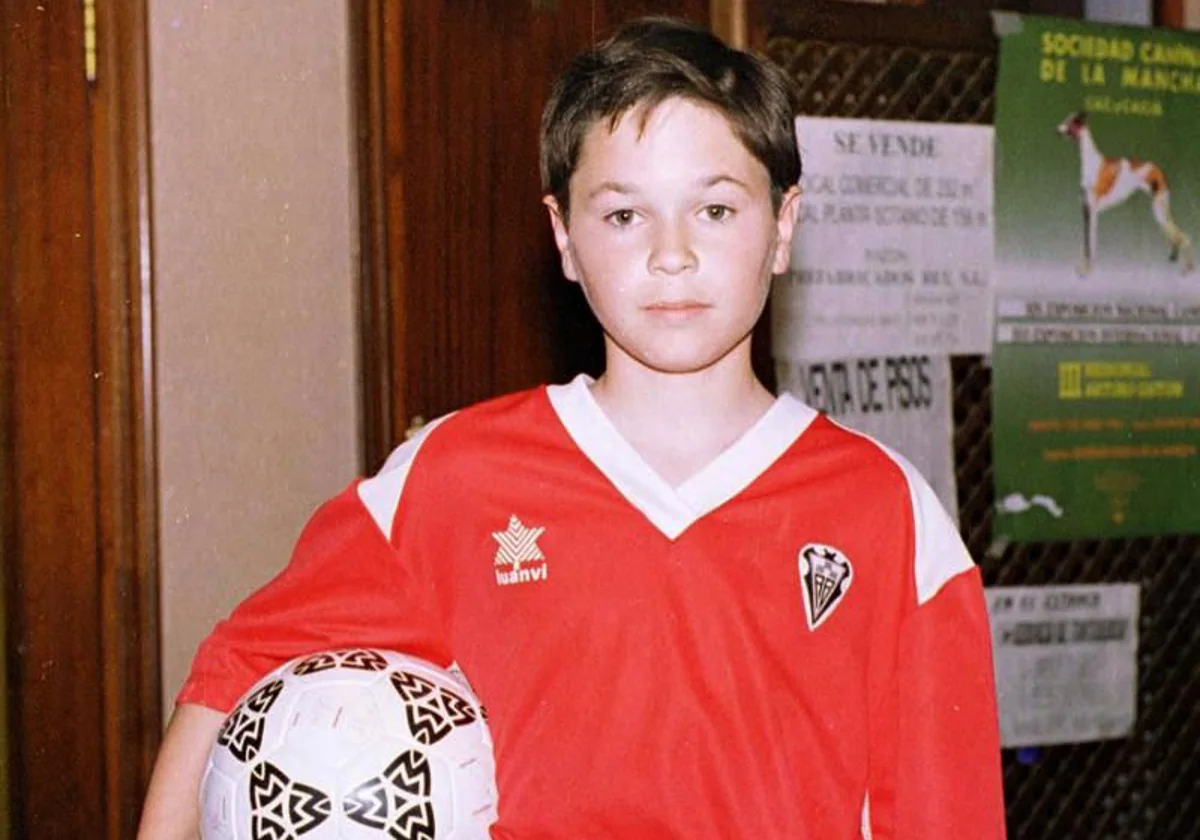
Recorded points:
(620,218)
(718,212)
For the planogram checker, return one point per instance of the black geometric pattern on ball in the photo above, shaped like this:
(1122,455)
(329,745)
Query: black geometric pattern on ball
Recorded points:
(242,731)
(315,664)
(461,712)
(356,660)
(432,712)
(396,801)
(363,660)
(283,809)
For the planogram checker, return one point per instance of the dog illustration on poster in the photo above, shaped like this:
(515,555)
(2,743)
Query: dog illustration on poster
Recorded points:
(1109,181)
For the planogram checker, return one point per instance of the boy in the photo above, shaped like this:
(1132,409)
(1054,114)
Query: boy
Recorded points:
(693,610)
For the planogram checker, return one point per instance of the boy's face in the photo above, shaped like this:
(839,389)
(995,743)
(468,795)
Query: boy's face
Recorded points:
(673,237)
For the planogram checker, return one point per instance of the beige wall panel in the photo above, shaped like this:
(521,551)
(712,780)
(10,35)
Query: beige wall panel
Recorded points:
(1191,14)
(254,282)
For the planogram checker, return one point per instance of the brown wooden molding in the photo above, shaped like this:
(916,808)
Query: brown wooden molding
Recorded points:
(8,489)
(728,21)
(900,25)
(127,466)
(373,34)
(77,467)
(56,712)
(1169,13)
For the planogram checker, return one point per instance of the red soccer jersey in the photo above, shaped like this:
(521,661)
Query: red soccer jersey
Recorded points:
(791,644)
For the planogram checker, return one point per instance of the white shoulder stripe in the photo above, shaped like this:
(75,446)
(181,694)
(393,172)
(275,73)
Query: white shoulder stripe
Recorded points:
(380,494)
(939,552)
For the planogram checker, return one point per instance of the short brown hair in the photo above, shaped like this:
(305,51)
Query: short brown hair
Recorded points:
(654,59)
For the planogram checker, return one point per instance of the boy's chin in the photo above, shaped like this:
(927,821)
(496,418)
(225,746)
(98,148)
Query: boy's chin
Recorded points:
(670,361)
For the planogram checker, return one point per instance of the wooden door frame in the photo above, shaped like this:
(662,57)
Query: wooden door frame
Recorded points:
(1170,13)
(376,47)
(129,477)
(121,505)
(728,20)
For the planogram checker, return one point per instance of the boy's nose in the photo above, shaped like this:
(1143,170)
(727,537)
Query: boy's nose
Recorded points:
(671,252)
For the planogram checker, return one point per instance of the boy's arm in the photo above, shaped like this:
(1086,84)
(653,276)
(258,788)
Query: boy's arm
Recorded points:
(948,778)
(172,809)
(936,749)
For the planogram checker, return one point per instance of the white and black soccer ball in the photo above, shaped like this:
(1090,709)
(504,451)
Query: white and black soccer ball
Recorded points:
(353,745)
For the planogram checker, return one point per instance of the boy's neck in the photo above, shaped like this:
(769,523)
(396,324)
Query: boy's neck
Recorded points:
(679,423)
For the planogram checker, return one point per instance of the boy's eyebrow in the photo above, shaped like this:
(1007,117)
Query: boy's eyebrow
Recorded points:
(630,189)
(723,178)
(612,186)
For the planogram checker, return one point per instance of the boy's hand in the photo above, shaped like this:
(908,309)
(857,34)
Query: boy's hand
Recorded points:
(172,810)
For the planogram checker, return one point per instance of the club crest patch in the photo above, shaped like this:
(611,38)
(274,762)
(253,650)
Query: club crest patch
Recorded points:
(825,577)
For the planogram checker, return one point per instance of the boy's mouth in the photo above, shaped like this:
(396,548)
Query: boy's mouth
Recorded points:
(677,309)
(678,304)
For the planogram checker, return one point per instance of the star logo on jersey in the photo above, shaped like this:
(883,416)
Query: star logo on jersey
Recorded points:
(825,577)
(518,551)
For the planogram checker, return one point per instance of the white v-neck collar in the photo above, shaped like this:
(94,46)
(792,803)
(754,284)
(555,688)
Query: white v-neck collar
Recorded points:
(674,509)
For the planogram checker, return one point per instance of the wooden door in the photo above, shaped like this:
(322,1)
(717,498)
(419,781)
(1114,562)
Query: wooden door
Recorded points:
(76,486)
(462,297)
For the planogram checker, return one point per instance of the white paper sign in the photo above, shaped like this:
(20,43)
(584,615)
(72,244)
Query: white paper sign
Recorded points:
(893,252)
(904,402)
(1066,662)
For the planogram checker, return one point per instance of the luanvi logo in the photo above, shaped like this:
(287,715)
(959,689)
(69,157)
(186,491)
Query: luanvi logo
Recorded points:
(518,559)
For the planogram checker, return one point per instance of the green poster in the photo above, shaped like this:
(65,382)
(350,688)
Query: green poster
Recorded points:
(1096,360)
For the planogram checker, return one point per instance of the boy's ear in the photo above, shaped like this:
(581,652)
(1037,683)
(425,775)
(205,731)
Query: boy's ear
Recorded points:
(789,211)
(561,237)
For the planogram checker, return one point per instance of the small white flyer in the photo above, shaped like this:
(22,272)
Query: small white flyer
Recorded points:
(1066,661)
(894,247)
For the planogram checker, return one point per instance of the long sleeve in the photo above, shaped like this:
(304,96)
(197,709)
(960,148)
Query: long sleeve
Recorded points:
(948,781)
(935,766)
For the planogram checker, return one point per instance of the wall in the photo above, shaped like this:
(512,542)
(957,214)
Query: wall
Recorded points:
(1191,14)
(254,257)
